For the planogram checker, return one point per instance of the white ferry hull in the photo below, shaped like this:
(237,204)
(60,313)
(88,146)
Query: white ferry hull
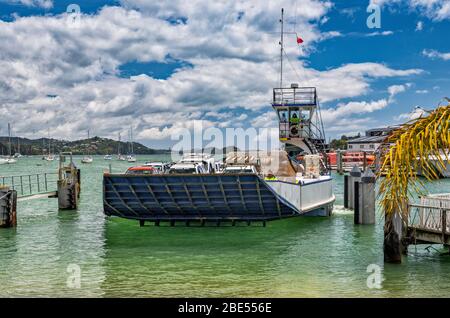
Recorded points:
(313,198)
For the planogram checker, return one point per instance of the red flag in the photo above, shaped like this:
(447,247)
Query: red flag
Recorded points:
(299,40)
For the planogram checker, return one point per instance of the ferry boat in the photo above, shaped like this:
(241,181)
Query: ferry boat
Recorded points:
(292,181)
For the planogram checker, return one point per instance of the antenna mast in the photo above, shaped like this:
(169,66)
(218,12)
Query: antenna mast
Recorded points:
(281,48)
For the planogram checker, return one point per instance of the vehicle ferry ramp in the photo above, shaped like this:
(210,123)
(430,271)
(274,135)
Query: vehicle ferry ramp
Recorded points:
(190,197)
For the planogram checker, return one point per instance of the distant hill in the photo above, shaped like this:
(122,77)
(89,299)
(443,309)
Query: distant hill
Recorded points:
(93,146)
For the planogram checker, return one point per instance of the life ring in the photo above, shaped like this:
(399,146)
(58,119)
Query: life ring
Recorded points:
(294,131)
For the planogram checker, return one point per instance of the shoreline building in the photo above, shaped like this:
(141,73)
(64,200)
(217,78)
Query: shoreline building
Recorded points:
(371,141)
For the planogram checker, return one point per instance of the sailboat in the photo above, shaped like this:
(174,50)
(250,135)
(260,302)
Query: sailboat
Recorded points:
(18,154)
(131,157)
(10,159)
(49,156)
(87,158)
(119,155)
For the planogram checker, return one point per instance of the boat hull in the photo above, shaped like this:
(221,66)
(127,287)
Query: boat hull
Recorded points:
(209,197)
(313,197)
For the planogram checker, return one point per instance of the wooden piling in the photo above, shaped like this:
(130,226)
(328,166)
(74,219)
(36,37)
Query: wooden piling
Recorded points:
(339,162)
(346,180)
(364,198)
(8,207)
(355,175)
(392,246)
(68,184)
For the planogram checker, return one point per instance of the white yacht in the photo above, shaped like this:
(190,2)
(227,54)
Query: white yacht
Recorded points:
(87,158)
(131,157)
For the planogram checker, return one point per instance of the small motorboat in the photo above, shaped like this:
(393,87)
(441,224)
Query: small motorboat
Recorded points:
(49,157)
(87,159)
(131,158)
(3,161)
(107,157)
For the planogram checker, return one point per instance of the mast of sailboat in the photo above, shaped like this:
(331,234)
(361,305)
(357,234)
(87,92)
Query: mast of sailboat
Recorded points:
(131,137)
(118,147)
(281,47)
(48,133)
(9,139)
(88,143)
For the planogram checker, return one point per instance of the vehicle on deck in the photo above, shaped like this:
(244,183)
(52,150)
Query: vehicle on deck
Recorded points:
(161,167)
(199,159)
(141,170)
(190,168)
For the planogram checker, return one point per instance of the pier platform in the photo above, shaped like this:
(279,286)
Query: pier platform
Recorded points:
(429,220)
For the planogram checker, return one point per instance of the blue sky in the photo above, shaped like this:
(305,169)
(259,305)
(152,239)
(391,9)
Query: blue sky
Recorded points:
(161,66)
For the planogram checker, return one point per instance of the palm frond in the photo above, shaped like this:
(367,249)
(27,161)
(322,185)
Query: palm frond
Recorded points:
(413,146)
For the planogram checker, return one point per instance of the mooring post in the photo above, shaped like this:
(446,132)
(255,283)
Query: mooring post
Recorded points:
(364,160)
(366,198)
(378,160)
(355,175)
(8,207)
(68,184)
(392,246)
(339,165)
(346,180)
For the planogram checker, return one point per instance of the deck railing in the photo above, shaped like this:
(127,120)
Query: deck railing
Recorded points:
(295,96)
(31,183)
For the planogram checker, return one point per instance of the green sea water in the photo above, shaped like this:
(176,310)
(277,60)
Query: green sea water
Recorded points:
(297,257)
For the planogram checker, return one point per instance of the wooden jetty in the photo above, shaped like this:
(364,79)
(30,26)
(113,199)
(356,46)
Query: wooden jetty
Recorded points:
(429,220)
(64,184)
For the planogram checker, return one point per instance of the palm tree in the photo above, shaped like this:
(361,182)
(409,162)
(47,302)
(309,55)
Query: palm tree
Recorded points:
(407,150)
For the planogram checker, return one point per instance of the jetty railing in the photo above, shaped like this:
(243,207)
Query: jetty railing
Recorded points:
(429,218)
(31,184)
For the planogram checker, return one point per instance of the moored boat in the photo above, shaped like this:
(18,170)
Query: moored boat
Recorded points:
(87,159)
(275,184)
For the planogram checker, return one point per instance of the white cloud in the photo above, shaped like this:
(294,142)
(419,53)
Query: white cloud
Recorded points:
(340,119)
(416,113)
(434,9)
(396,89)
(234,66)
(377,33)
(33,3)
(436,54)
(422,91)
